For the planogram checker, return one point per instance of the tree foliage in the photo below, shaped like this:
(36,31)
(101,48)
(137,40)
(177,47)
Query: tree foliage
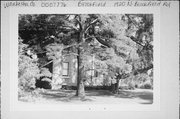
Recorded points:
(118,44)
(28,68)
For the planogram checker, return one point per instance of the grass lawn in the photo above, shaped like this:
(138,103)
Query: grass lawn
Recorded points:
(137,96)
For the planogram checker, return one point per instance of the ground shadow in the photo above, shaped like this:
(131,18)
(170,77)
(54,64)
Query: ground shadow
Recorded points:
(69,95)
(144,95)
(99,93)
(63,95)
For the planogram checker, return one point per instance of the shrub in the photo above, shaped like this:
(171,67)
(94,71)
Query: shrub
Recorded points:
(44,72)
(45,79)
(28,73)
(44,83)
(131,85)
(143,81)
(146,85)
(28,70)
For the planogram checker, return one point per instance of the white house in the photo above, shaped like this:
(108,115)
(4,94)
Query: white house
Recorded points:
(65,73)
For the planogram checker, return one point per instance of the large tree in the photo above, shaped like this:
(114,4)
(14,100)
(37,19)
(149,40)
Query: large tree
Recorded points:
(107,38)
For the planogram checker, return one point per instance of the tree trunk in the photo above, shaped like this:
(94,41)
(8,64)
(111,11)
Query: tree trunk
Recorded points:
(80,92)
(80,89)
(115,87)
(80,83)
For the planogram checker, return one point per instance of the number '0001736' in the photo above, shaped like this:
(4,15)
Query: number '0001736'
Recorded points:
(53,4)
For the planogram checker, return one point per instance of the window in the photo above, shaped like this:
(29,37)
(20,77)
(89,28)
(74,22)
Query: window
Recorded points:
(93,73)
(65,69)
(96,73)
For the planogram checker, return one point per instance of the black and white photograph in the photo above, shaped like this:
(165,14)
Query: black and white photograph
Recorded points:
(85,58)
(100,59)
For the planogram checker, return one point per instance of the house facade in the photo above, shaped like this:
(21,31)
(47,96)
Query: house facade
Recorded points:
(65,73)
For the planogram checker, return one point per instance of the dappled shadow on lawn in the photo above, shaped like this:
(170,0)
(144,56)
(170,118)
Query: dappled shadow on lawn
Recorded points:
(92,95)
(98,93)
(63,95)
(144,95)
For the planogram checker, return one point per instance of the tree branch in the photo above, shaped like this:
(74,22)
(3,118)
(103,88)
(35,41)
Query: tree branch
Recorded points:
(71,54)
(136,41)
(129,19)
(93,22)
(138,71)
(47,63)
(100,40)
(78,21)
(88,37)
(71,45)
(146,46)
(71,28)
(67,17)
(41,52)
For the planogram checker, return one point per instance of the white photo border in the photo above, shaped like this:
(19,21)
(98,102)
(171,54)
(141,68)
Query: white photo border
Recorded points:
(16,105)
